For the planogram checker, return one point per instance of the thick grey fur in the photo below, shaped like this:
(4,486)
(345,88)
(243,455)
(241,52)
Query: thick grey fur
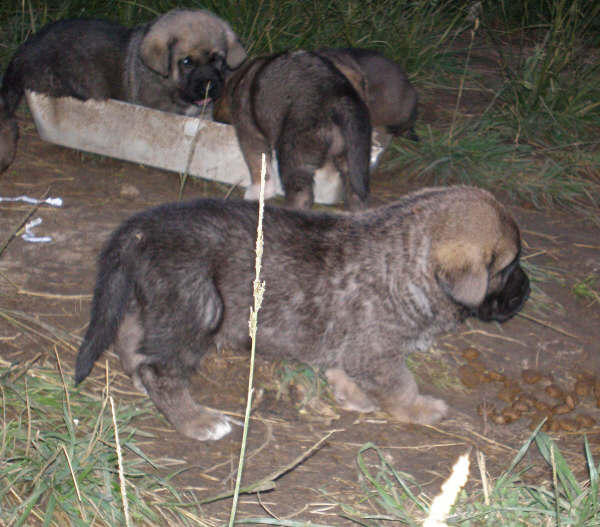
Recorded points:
(351,294)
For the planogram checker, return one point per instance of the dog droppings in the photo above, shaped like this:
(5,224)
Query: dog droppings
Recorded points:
(554,403)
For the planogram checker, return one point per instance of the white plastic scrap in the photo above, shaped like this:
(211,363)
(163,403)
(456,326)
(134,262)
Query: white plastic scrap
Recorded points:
(54,202)
(28,236)
(442,503)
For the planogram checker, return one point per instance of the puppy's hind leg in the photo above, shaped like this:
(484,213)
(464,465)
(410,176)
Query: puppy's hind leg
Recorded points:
(353,158)
(298,185)
(167,386)
(298,158)
(127,344)
(166,383)
(177,329)
(253,147)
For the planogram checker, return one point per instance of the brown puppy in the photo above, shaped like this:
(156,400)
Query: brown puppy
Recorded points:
(351,294)
(300,111)
(177,63)
(390,97)
(385,88)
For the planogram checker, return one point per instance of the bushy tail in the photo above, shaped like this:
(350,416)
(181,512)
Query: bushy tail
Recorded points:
(355,125)
(113,289)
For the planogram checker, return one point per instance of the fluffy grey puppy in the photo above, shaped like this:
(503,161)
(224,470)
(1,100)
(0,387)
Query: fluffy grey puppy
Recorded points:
(348,293)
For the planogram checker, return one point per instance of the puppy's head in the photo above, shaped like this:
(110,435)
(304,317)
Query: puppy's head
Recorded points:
(476,253)
(193,49)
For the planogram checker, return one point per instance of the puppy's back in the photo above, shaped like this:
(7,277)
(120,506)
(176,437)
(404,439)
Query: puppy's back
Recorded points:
(80,58)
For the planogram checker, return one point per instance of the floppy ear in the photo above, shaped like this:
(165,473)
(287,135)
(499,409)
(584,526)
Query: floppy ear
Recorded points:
(462,274)
(156,48)
(236,54)
(353,73)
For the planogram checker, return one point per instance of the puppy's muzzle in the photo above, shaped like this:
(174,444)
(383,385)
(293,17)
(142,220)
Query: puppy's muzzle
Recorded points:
(506,303)
(204,83)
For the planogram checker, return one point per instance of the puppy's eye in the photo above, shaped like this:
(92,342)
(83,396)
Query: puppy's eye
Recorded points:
(187,62)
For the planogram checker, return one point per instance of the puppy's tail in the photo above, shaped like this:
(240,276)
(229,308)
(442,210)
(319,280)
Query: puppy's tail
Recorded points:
(114,287)
(355,125)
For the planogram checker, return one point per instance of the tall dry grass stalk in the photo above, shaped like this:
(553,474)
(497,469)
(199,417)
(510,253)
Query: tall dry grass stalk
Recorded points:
(122,482)
(258,291)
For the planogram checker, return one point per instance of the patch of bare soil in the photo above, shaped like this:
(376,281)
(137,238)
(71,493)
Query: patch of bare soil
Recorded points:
(558,335)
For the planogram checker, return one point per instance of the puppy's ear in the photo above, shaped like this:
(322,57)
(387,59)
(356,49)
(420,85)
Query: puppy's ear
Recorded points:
(155,49)
(351,70)
(236,54)
(462,273)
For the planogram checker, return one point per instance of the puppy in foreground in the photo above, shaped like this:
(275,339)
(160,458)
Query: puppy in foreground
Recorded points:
(303,113)
(348,294)
(176,63)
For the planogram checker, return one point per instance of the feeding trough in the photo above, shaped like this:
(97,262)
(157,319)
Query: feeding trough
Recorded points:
(199,147)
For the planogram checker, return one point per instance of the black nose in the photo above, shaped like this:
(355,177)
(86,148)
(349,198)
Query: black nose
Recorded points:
(206,81)
(506,303)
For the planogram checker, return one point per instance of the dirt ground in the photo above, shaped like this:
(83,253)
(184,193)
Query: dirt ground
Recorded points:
(558,334)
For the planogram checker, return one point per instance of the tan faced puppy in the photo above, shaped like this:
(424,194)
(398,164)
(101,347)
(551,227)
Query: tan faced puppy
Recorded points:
(350,294)
(177,63)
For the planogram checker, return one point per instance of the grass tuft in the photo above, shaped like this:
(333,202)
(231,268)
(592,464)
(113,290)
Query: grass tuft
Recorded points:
(564,500)
(56,470)
(476,153)
(550,89)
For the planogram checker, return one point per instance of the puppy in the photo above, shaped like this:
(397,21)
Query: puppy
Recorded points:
(390,97)
(350,294)
(177,63)
(9,135)
(303,113)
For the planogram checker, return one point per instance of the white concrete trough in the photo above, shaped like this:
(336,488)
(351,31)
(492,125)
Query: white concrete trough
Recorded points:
(159,139)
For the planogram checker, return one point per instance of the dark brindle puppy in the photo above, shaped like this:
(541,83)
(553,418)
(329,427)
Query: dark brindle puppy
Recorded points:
(350,294)
(390,97)
(303,113)
(9,134)
(177,63)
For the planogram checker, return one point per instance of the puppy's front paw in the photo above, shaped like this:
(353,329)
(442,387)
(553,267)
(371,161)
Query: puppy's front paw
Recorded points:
(205,425)
(422,409)
(347,393)
(428,410)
